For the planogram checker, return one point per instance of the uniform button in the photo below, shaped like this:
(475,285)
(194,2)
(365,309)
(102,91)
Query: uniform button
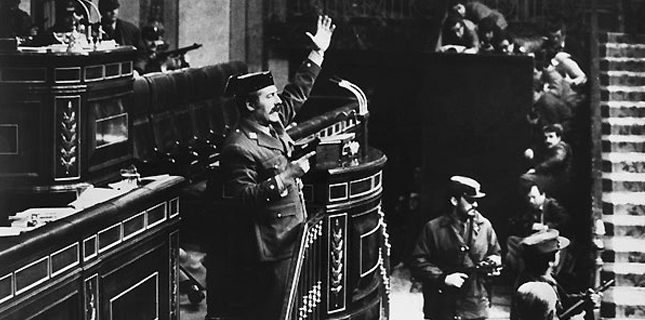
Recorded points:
(268,200)
(279,215)
(275,165)
(308,65)
(271,187)
(237,130)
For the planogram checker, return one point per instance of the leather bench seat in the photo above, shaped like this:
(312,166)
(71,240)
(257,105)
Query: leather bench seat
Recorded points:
(179,118)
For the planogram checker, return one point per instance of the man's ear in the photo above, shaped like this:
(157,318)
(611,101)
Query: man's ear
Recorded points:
(249,105)
(454,201)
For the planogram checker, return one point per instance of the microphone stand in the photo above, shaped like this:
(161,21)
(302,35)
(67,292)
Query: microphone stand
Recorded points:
(363,112)
(88,31)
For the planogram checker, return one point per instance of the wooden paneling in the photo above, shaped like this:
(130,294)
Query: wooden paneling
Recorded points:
(114,260)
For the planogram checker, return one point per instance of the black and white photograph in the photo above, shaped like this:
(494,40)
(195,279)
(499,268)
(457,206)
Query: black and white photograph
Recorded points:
(322,159)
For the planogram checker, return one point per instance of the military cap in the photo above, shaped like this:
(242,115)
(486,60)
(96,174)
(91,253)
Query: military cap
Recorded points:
(107,5)
(240,85)
(466,187)
(546,241)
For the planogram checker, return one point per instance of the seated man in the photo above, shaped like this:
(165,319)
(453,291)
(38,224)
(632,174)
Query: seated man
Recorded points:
(543,212)
(121,31)
(66,30)
(562,55)
(534,301)
(553,162)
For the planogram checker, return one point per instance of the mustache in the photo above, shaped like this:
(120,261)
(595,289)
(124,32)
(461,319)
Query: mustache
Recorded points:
(276,108)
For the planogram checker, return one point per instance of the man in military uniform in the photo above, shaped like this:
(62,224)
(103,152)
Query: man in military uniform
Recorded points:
(461,239)
(264,182)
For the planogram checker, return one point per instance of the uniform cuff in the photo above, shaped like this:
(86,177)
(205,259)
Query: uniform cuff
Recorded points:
(317,57)
(282,190)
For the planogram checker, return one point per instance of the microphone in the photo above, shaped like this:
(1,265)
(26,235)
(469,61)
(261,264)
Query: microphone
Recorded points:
(355,90)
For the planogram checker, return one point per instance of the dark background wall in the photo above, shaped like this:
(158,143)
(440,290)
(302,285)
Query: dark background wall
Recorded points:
(474,123)
(434,116)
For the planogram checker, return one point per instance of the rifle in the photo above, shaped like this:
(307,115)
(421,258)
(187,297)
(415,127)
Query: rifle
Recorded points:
(576,307)
(162,55)
(485,268)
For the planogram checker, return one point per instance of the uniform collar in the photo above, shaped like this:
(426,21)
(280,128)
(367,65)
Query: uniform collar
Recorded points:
(253,131)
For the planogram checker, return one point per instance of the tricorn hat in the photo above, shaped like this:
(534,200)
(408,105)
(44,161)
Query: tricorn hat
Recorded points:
(546,241)
(467,187)
(240,85)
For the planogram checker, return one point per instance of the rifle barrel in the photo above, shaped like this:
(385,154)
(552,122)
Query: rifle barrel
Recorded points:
(567,313)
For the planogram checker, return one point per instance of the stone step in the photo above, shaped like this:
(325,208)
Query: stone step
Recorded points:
(623,126)
(622,109)
(624,250)
(621,181)
(622,78)
(625,274)
(622,93)
(623,302)
(623,203)
(619,143)
(622,64)
(633,162)
(618,37)
(619,50)
(625,226)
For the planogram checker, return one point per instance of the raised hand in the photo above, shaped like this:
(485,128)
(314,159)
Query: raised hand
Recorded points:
(322,38)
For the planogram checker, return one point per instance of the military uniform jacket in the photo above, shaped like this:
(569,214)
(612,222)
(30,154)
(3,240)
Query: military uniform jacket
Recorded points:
(440,252)
(269,214)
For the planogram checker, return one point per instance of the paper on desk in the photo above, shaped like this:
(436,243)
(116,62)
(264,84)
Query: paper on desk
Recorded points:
(93,196)
(10,231)
(34,217)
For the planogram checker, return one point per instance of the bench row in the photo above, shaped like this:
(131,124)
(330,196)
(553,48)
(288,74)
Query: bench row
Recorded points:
(180,118)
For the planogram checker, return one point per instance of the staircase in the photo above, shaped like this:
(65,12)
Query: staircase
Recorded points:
(622,85)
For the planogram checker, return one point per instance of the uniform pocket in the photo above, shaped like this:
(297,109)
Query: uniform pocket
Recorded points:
(279,229)
(273,165)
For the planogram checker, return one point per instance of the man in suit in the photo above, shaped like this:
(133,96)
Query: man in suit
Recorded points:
(121,31)
(263,181)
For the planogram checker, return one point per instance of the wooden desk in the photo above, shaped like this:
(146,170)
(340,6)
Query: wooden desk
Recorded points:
(115,260)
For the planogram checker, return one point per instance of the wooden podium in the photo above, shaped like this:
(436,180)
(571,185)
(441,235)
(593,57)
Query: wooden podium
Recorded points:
(64,118)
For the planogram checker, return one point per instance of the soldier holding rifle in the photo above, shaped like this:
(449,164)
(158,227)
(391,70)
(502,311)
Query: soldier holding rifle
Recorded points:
(541,253)
(454,255)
